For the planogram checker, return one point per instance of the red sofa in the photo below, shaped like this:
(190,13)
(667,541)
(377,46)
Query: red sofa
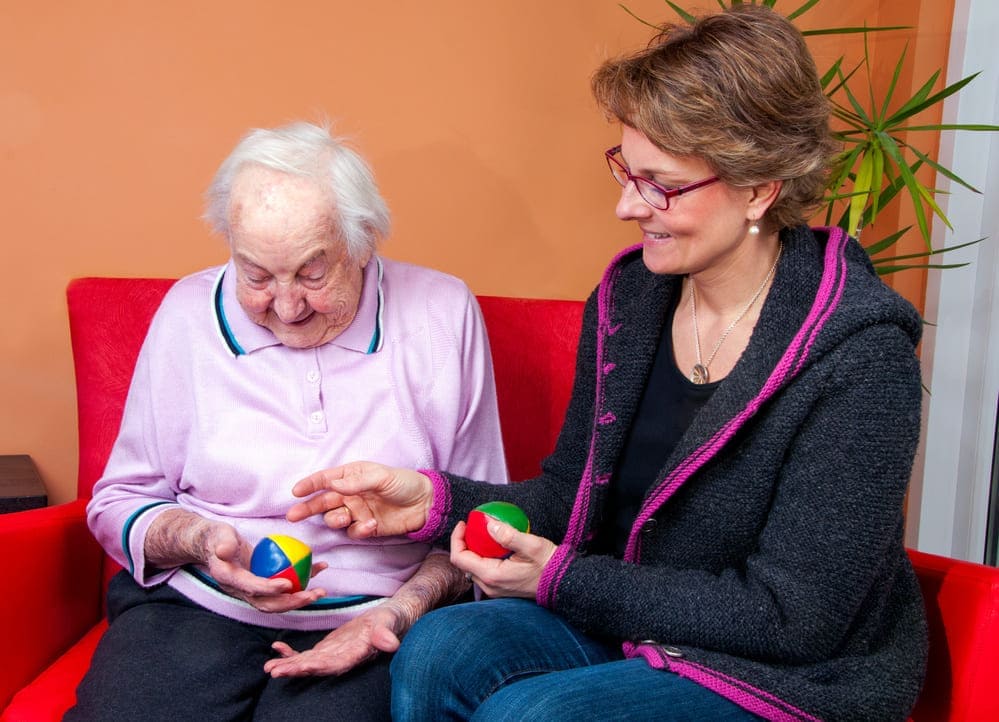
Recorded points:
(51,612)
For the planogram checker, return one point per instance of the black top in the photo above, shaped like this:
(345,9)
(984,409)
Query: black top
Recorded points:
(668,405)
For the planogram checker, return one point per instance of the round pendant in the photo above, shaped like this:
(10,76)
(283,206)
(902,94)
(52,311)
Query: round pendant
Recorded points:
(699,374)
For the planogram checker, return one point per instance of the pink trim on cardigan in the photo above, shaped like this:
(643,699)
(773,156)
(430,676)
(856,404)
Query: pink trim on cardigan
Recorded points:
(552,573)
(555,568)
(757,701)
(574,532)
(749,698)
(440,508)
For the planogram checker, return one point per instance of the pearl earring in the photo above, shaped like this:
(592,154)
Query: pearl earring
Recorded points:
(754,229)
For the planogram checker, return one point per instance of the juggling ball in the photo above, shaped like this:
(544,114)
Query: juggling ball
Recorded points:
(477,537)
(282,557)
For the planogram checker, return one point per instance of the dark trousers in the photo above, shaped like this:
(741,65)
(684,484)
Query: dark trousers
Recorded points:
(165,658)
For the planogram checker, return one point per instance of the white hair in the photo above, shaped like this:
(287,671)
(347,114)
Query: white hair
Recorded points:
(309,151)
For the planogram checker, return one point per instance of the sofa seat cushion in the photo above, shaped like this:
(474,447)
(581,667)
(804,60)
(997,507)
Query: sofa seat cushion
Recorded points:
(54,691)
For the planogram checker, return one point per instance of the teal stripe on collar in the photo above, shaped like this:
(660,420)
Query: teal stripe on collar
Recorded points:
(377,337)
(229,338)
(224,330)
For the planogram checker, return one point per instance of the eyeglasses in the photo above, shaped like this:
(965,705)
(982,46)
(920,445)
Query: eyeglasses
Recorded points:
(651,192)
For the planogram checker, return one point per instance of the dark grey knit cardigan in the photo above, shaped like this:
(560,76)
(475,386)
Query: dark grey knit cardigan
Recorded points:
(767,561)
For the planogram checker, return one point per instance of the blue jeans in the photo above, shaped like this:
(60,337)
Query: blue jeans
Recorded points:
(509,659)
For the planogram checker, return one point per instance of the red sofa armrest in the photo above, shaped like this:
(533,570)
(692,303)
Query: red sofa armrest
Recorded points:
(53,589)
(962,609)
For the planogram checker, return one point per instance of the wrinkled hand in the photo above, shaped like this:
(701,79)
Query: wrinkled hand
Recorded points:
(515,576)
(228,562)
(178,537)
(354,643)
(366,499)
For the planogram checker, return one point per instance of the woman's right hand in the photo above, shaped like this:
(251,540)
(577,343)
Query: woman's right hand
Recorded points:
(178,537)
(228,563)
(366,499)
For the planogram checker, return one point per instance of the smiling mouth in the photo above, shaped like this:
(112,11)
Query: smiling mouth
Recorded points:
(299,322)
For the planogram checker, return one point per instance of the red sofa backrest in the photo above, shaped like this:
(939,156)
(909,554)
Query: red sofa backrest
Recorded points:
(108,319)
(533,344)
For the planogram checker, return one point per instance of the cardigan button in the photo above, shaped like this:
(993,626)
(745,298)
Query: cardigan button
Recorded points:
(667,649)
(649,526)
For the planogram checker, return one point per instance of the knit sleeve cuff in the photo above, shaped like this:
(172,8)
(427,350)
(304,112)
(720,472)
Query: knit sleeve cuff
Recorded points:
(552,575)
(440,508)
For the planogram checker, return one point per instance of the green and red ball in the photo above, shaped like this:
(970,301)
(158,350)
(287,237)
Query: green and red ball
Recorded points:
(477,537)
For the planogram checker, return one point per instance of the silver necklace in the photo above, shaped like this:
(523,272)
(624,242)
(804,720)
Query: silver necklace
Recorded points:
(699,374)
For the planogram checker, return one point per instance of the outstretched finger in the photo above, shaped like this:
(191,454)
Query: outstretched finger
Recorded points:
(349,478)
(319,480)
(284,649)
(318,504)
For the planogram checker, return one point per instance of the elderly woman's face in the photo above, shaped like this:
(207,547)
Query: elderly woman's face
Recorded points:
(293,276)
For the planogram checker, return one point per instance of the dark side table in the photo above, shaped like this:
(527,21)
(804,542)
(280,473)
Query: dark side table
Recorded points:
(21,486)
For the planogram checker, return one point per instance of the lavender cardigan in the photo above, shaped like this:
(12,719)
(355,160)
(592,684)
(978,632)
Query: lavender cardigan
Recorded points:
(767,561)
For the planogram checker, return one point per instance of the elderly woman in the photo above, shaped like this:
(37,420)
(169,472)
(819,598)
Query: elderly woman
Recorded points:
(718,532)
(305,350)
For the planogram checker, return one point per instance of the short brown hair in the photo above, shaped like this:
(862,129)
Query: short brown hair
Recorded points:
(738,89)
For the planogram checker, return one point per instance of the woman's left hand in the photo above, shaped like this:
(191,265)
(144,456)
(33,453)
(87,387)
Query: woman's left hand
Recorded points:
(348,646)
(514,576)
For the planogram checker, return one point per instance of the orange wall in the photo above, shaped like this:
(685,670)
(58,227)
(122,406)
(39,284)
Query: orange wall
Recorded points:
(475,115)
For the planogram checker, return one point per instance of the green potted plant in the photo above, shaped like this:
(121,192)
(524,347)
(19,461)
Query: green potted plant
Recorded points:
(878,163)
